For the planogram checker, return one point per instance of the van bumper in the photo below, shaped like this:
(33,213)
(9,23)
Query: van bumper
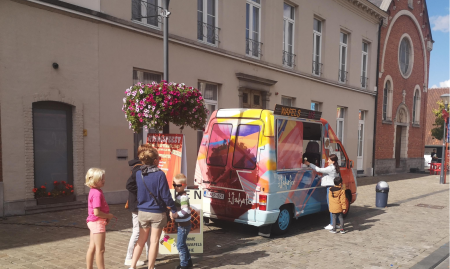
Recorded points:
(261,217)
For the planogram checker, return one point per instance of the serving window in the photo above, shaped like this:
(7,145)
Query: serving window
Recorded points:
(297,140)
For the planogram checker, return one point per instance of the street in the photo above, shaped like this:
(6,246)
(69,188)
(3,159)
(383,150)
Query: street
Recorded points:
(399,236)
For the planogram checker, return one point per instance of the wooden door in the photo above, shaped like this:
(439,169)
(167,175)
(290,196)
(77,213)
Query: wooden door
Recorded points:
(398,146)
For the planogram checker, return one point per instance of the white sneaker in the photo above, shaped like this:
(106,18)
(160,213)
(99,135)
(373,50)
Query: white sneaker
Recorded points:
(329,227)
(139,263)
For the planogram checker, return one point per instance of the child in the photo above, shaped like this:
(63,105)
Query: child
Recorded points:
(337,203)
(99,216)
(183,220)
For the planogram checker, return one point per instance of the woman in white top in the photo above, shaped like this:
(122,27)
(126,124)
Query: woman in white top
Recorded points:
(329,172)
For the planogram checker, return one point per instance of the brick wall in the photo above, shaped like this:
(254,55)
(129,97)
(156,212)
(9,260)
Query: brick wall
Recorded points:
(385,136)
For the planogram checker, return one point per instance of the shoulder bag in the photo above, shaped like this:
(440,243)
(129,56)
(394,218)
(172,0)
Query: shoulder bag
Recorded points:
(157,201)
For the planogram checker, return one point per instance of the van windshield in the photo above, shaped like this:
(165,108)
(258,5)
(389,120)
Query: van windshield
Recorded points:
(246,146)
(218,144)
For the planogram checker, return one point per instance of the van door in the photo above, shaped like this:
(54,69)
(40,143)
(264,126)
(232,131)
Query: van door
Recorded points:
(233,192)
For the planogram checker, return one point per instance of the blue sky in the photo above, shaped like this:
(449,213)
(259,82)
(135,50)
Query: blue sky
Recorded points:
(438,11)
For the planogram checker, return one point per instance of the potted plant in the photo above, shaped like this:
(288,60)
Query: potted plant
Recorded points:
(62,193)
(154,105)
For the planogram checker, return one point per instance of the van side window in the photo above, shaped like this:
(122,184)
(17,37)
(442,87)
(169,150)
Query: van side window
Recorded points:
(289,144)
(312,139)
(219,144)
(246,147)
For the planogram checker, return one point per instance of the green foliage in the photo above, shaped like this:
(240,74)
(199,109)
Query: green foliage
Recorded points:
(438,131)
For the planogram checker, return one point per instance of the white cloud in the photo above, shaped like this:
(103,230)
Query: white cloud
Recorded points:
(440,23)
(444,84)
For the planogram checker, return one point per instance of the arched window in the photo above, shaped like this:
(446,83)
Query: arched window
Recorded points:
(416,106)
(386,100)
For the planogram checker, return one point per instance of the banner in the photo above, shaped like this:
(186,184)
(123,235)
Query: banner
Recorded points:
(194,241)
(172,150)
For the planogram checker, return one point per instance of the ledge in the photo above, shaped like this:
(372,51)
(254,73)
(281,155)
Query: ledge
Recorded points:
(416,125)
(386,122)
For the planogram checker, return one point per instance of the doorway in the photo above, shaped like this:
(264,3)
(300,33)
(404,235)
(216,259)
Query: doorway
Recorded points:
(398,145)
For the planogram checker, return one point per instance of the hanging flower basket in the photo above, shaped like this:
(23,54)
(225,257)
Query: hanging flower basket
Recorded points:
(154,105)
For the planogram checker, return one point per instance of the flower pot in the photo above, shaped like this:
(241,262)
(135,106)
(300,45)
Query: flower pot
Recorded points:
(55,200)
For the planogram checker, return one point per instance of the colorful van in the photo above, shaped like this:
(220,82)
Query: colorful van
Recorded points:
(250,166)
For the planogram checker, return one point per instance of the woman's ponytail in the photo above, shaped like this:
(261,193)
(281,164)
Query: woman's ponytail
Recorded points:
(334,158)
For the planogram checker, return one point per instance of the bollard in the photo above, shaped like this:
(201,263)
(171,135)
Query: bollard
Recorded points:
(382,191)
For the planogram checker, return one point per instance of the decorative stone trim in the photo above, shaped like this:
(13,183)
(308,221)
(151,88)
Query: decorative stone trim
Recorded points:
(77,139)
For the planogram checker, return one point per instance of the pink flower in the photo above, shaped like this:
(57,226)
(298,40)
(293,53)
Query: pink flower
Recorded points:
(200,98)
(140,119)
(139,114)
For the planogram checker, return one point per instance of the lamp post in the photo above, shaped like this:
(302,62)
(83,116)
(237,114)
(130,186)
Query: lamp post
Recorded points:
(445,98)
(165,14)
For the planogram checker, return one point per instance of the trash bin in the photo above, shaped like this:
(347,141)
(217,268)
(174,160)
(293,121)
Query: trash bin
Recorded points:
(382,191)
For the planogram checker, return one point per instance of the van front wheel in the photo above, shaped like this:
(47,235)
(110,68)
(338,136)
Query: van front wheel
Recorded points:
(281,226)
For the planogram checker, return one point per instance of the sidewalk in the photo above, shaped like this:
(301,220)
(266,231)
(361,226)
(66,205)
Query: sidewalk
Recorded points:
(399,236)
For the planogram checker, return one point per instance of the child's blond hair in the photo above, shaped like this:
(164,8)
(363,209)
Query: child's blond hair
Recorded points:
(93,176)
(180,178)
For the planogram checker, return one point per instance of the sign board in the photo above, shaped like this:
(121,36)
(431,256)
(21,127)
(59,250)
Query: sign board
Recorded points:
(172,150)
(297,112)
(169,237)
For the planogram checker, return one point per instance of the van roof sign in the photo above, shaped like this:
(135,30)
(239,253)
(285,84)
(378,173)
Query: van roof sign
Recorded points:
(297,112)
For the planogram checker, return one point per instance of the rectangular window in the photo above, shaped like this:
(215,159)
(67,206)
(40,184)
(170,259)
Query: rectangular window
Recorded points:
(288,35)
(207,30)
(315,106)
(361,134)
(364,65)
(147,12)
(210,95)
(146,78)
(317,45)
(252,28)
(218,145)
(287,101)
(343,58)
(340,123)
(246,147)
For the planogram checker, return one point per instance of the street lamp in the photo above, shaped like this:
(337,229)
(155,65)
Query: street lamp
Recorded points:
(446,99)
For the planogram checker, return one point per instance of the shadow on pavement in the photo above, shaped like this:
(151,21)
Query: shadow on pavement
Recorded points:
(363,181)
(228,259)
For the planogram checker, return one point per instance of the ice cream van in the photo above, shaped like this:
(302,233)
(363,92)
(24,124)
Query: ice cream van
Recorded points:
(250,166)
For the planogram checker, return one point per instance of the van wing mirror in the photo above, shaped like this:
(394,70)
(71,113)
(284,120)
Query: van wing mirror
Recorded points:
(351,164)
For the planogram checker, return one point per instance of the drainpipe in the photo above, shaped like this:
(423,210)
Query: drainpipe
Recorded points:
(376,98)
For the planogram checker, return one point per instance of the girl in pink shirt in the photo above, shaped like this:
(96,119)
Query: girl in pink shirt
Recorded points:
(98,217)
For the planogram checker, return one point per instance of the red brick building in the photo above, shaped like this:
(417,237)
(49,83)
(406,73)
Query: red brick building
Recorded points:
(434,95)
(404,58)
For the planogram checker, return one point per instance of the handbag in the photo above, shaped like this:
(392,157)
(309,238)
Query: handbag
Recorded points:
(157,201)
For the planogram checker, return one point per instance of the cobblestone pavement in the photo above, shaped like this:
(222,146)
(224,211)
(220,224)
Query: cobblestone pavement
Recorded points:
(398,236)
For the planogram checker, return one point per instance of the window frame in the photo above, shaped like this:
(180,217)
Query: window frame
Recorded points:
(315,53)
(228,149)
(342,46)
(319,104)
(286,22)
(205,20)
(236,143)
(291,99)
(410,55)
(364,54)
(253,3)
(388,92)
(207,102)
(159,6)
(343,124)
(416,106)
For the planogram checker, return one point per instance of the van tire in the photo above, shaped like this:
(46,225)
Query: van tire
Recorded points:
(284,220)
